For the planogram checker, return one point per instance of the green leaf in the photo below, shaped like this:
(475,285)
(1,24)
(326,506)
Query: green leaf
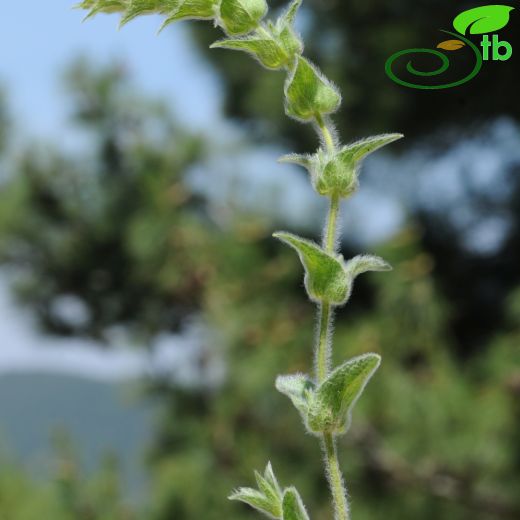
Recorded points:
(364,263)
(137,8)
(299,389)
(257,500)
(241,16)
(190,9)
(482,20)
(355,152)
(267,51)
(325,278)
(268,499)
(308,93)
(107,7)
(293,508)
(290,15)
(337,395)
(305,160)
(272,480)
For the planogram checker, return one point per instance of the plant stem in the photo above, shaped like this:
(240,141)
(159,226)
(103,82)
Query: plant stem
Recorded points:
(326,133)
(326,312)
(332,223)
(322,353)
(335,477)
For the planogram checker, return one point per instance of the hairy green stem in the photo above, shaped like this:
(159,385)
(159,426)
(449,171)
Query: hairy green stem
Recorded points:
(326,133)
(335,477)
(322,353)
(332,223)
(326,313)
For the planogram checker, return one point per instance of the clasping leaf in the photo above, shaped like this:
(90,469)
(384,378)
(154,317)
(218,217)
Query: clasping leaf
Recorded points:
(308,93)
(335,398)
(189,9)
(336,173)
(270,499)
(274,46)
(325,278)
(241,16)
(328,278)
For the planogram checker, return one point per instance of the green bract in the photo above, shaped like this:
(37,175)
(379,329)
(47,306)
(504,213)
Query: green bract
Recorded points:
(336,173)
(273,45)
(270,499)
(327,408)
(334,399)
(308,93)
(325,277)
(299,389)
(189,9)
(241,16)
(293,508)
(135,8)
(328,278)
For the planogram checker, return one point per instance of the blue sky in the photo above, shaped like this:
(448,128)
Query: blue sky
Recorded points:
(39,38)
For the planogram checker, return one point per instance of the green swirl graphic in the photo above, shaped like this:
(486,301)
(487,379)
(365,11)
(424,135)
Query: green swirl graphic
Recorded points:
(443,67)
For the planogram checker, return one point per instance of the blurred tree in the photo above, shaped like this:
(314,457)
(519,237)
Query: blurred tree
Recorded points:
(104,234)
(121,232)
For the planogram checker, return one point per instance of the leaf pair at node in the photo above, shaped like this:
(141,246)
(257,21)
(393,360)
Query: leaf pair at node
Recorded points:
(270,499)
(274,45)
(328,278)
(327,407)
(335,173)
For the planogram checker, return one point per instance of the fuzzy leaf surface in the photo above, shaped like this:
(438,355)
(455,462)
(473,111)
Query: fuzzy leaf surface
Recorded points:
(309,94)
(257,500)
(355,152)
(337,395)
(325,277)
(299,389)
(293,508)
(364,263)
(190,9)
(241,16)
(267,51)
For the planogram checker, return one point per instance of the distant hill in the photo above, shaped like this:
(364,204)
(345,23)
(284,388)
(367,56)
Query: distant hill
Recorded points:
(100,417)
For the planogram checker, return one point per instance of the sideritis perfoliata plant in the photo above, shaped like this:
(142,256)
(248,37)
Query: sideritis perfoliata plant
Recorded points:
(326,400)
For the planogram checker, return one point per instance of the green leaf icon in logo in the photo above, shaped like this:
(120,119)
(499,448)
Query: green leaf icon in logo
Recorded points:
(482,20)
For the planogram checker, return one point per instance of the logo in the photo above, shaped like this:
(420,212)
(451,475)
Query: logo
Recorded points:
(478,21)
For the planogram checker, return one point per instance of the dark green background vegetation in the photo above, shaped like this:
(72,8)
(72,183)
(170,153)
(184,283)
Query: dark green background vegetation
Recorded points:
(436,435)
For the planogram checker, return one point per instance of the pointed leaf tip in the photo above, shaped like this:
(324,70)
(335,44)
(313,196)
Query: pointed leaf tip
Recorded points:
(325,278)
(337,395)
(364,263)
(308,93)
(299,389)
(293,508)
(358,150)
